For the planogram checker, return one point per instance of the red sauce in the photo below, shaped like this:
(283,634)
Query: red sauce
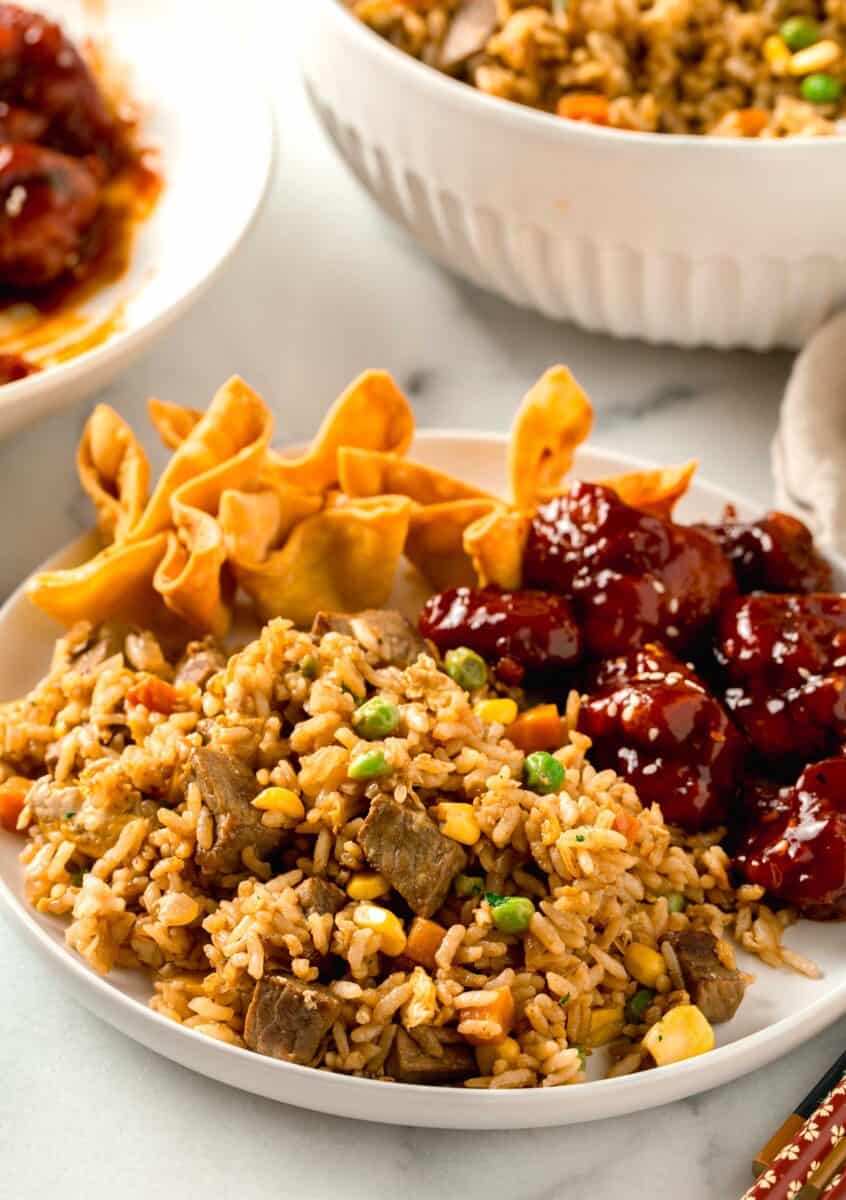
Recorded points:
(799,854)
(518,631)
(632,578)
(653,720)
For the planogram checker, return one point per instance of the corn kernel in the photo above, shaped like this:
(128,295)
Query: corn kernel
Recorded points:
(644,964)
(385,923)
(683,1032)
(605,1025)
(776,54)
(458,821)
(508,1050)
(280,800)
(367,885)
(177,908)
(818,57)
(500,712)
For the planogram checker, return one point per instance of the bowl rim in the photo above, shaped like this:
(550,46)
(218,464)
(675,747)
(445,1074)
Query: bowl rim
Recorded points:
(466,98)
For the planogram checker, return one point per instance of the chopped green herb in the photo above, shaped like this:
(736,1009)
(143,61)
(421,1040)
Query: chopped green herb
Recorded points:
(564,1001)
(580,837)
(638,1004)
(582,1056)
(69,816)
(493,899)
(676,902)
(469,885)
(77,878)
(308,666)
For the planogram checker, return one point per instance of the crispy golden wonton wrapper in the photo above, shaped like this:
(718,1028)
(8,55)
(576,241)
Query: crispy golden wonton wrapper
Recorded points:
(658,491)
(227,510)
(551,423)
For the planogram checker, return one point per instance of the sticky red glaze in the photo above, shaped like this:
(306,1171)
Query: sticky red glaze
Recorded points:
(653,721)
(521,631)
(13,367)
(42,72)
(785,661)
(47,203)
(800,856)
(633,578)
(774,554)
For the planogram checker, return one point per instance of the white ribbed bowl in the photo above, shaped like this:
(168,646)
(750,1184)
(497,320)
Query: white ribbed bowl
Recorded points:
(671,239)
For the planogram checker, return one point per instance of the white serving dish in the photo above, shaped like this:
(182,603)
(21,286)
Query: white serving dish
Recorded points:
(676,239)
(779,1012)
(214,179)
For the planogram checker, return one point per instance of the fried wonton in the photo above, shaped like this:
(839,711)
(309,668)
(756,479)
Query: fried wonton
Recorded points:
(435,542)
(342,559)
(656,491)
(375,473)
(114,471)
(494,543)
(551,423)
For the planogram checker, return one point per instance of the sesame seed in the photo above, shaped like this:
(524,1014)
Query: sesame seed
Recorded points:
(775,706)
(16,200)
(651,769)
(840,662)
(673,604)
(672,631)
(658,585)
(612,709)
(654,733)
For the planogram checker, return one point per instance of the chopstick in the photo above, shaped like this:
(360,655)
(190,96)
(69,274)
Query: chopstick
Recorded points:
(806,1158)
(806,1106)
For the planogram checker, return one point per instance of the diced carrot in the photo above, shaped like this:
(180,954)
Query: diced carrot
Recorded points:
(538,728)
(424,938)
(499,1010)
(155,694)
(752,120)
(584,106)
(627,825)
(13,794)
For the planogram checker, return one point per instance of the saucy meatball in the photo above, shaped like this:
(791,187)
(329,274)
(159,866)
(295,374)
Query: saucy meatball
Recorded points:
(42,72)
(632,577)
(47,203)
(775,554)
(653,720)
(785,663)
(518,631)
(797,852)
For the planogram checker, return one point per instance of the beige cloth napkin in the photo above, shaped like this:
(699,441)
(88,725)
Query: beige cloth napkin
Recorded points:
(809,448)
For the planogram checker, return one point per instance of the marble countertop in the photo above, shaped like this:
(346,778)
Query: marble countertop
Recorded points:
(323,288)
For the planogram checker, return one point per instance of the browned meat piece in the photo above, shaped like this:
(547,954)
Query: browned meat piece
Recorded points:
(100,643)
(714,988)
(199,661)
(288,1019)
(21,124)
(319,896)
(408,1063)
(48,202)
(406,846)
(383,632)
(474,23)
(228,789)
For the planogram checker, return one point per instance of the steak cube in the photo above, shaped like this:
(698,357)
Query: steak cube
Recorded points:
(228,789)
(714,988)
(406,846)
(288,1019)
(408,1063)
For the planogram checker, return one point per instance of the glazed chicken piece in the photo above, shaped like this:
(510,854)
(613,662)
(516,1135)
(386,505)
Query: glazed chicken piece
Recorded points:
(785,662)
(797,850)
(48,203)
(518,631)
(775,554)
(654,721)
(43,74)
(632,578)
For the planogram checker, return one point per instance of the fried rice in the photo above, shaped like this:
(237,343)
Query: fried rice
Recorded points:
(115,851)
(668,66)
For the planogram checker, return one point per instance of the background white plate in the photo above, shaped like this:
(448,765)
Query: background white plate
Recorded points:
(779,1012)
(215,133)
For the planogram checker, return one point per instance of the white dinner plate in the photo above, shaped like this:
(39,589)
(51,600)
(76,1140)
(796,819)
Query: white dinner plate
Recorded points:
(214,130)
(779,1011)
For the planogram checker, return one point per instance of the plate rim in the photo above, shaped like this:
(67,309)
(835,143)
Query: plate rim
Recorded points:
(451,1107)
(124,344)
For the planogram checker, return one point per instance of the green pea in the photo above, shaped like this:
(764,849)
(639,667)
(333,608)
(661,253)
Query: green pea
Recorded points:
(799,32)
(468,885)
(821,88)
(308,666)
(513,914)
(676,902)
(376,718)
(466,667)
(638,1004)
(542,773)
(370,765)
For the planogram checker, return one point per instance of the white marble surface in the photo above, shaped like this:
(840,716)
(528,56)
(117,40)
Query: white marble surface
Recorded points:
(323,288)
